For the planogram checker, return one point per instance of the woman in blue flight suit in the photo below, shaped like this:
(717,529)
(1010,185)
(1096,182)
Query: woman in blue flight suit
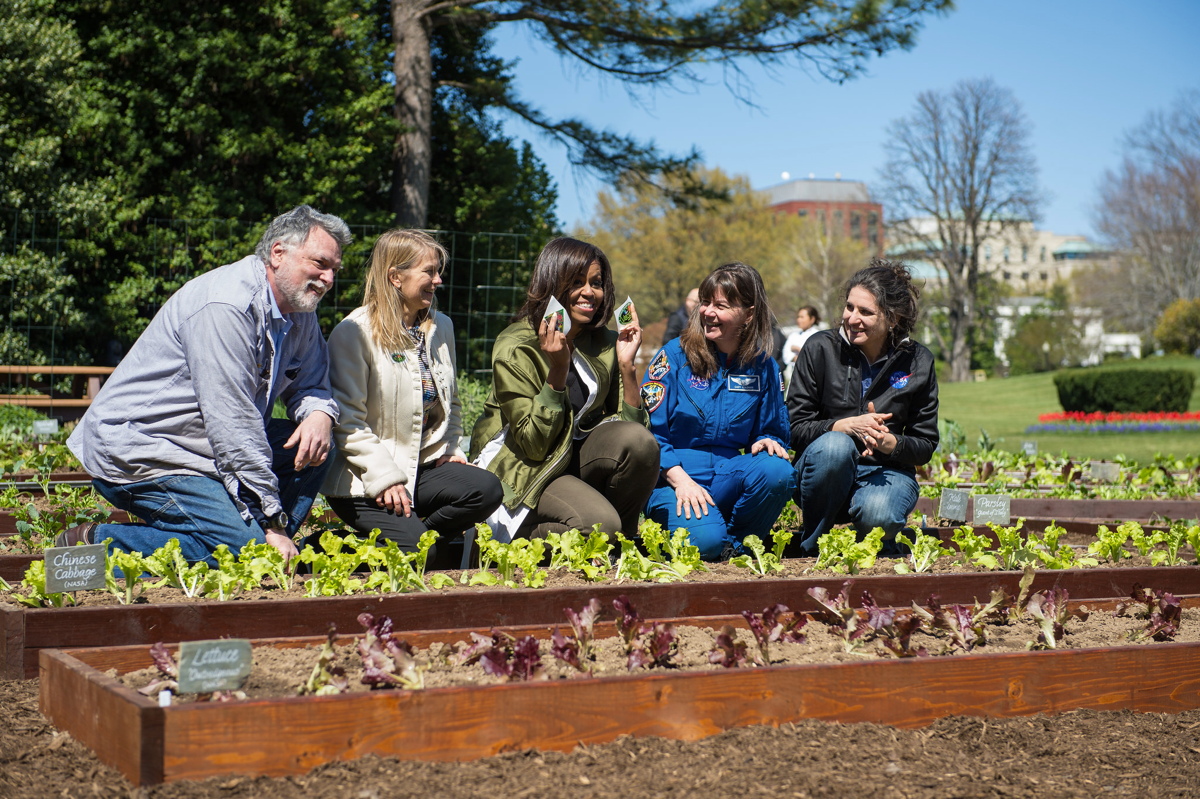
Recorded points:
(712,393)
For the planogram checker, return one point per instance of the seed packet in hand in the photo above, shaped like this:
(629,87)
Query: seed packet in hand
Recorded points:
(624,314)
(559,318)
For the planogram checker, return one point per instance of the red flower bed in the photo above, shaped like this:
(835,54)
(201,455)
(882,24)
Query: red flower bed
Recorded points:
(1100,417)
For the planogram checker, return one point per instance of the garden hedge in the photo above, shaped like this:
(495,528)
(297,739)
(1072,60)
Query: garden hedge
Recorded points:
(1125,390)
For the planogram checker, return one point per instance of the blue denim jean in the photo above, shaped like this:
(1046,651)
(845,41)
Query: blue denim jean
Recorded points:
(833,487)
(198,510)
(750,491)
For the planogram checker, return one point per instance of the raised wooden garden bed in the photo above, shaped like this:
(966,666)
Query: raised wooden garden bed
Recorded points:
(1105,511)
(276,737)
(27,630)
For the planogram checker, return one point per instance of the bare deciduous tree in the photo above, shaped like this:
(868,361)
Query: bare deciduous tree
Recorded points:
(822,262)
(959,170)
(1149,211)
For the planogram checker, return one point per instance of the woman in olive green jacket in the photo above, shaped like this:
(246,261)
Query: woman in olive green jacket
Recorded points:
(564,428)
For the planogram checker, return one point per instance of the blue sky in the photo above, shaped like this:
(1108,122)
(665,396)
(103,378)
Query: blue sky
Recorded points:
(1085,72)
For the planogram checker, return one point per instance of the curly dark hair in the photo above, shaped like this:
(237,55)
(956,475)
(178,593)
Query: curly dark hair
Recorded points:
(891,284)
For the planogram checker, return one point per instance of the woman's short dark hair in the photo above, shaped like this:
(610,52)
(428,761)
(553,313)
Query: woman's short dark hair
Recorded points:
(891,284)
(742,286)
(812,311)
(561,261)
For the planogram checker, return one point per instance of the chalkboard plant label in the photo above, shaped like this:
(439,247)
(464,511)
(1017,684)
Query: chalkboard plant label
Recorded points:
(79,568)
(1029,449)
(45,427)
(992,508)
(207,666)
(953,505)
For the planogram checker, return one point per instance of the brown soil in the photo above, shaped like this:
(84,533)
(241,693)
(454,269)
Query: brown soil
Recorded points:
(1080,754)
(279,672)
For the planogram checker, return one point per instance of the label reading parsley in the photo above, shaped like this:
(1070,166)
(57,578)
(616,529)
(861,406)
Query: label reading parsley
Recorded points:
(992,508)
(207,666)
(75,569)
(953,505)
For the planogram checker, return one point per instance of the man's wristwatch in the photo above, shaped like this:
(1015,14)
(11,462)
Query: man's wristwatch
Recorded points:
(278,521)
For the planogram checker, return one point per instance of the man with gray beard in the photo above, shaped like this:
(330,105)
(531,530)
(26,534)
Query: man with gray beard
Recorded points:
(181,435)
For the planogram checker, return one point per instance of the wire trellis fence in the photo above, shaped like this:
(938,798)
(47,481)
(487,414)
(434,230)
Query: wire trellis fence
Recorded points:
(50,318)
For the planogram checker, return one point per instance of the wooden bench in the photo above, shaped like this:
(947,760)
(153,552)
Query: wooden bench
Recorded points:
(85,385)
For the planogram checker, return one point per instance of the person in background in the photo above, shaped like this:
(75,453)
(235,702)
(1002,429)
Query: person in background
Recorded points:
(181,435)
(863,406)
(398,465)
(712,393)
(564,428)
(808,322)
(679,319)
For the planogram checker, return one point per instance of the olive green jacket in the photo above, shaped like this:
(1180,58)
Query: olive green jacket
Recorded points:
(525,430)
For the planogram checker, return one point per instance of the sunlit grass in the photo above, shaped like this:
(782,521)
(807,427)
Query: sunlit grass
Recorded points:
(1005,407)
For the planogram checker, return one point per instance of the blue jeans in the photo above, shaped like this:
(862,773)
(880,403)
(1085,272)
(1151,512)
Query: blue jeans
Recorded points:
(750,491)
(198,510)
(832,487)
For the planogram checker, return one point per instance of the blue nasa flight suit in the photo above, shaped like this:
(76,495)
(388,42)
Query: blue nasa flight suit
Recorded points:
(701,424)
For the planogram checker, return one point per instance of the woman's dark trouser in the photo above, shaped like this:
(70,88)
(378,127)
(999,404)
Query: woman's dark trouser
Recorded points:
(832,486)
(447,498)
(611,475)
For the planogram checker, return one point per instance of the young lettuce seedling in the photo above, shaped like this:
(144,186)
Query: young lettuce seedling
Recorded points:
(168,672)
(841,551)
(168,563)
(1142,541)
(759,560)
(1012,549)
(924,552)
(644,645)
(1051,554)
(633,565)
(727,650)
(326,678)
(771,627)
(1174,538)
(1162,610)
(974,548)
(674,552)
(387,661)
(1110,544)
(572,552)
(131,565)
(35,595)
(1050,610)
(577,651)
(837,612)
(502,655)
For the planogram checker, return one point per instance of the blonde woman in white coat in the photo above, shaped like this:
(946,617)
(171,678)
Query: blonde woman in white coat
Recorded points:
(399,466)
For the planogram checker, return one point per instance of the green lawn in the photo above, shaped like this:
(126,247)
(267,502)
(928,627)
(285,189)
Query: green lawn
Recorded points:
(1005,407)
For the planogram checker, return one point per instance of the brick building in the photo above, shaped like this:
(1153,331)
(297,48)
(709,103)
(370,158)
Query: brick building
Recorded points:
(843,206)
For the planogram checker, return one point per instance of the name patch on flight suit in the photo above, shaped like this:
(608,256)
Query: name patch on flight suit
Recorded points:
(744,383)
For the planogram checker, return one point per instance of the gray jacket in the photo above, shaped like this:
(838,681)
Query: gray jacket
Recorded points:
(195,391)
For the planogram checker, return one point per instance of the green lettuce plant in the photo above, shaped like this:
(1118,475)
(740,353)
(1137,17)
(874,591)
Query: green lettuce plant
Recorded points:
(573,552)
(841,551)
(923,552)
